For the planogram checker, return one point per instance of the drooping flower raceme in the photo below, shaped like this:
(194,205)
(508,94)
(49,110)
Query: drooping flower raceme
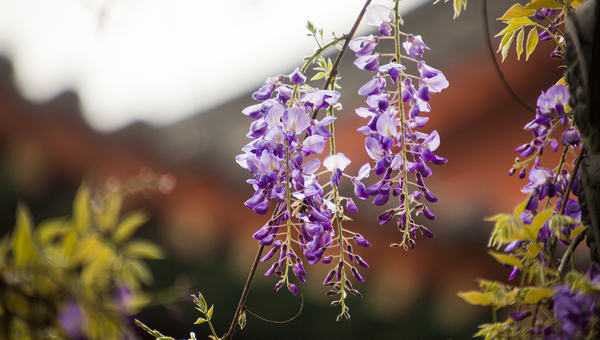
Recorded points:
(285,173)
(397,148)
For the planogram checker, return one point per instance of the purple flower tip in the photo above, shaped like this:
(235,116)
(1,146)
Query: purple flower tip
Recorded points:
(519,316)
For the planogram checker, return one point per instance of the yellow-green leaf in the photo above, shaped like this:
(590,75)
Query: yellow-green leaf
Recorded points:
(242,320)
(139,248)
(576,3)
(210,312)
(23,250)
(539,220)
(562,81)
(507,259)
(520,38)
(128,226)
(111,207)
(459,5)
(507,29)
(534,249)
(520,22)
(519,209)
(537,294)
(199,321)
(49,229)
(505,43)
(81,207)
(140,270)
(538,4)
(475,297)
(517,11)
(532,41)
(577,231)
(318,76)
(496,217)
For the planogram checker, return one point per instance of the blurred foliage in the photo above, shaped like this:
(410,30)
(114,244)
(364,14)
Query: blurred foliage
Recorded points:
(79,276)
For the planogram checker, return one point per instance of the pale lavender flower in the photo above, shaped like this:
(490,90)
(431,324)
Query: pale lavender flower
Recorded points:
(321,99)
(363,46)
(297,77)
(368,62)
(433,78)
(554,100)
(414,45)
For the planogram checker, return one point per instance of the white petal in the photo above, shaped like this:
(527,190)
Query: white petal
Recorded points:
(378,14)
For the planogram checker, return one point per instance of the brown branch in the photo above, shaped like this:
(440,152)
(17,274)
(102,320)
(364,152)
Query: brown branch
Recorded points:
(572,179)
(242,302)
(567,256)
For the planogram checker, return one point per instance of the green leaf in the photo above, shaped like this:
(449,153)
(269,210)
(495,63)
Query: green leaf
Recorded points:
(139,248)
(97,271)
(532,41)
(242,320)
(534,249)
(507,259)
(475,297)
(22,245)
(520,22)
(318,76)
(505,43)
(199,321)
(128,226)
(81,207)
(111,206)
(520,38)
(210,312)
(516,11)
(459,5)
(140,270)
(539,221)
(537,294)
(539,4)
(49,229)
(577,231)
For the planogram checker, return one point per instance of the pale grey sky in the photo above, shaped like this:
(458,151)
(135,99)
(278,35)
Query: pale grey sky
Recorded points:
(161,61)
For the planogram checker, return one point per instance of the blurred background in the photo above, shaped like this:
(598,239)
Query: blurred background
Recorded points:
(101,89)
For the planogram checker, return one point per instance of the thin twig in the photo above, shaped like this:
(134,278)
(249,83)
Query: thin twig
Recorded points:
(334,69)
(332,74)
(565,259)
(278,322)
(572,179)
(242,302)
(495,62)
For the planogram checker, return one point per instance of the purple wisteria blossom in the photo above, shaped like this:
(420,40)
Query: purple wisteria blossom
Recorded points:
(363,46)
(285,178)
(414,45)
(381,17)
(392,141)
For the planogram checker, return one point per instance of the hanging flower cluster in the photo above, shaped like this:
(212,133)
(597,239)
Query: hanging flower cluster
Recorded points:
(393,140)
(282,159)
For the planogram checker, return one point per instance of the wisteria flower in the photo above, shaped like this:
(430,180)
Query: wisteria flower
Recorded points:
(393,69)
(554,100)
(297,77)
(363,46)
(379,16)
(321,99)
(541,182)
(336,164)
(368,62)
(414,45)
(433,78)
